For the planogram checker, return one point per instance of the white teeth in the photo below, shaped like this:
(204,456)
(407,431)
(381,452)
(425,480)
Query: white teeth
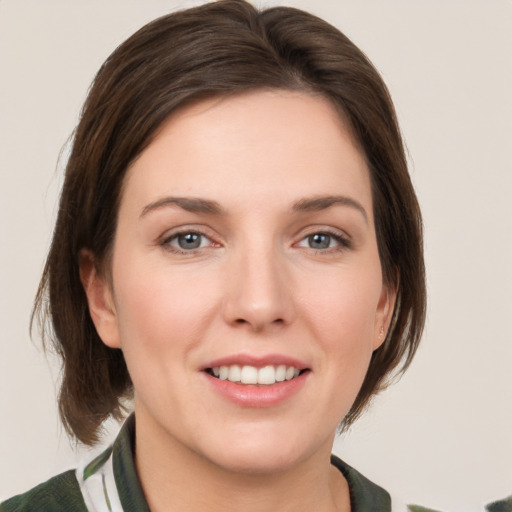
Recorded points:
(281,373)
(249,375)
(235,373)
(267,375)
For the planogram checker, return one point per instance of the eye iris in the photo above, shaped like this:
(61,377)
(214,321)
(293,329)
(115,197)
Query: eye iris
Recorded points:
(319,241)
(189,241)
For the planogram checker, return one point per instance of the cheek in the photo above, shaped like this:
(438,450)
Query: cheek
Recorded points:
(342,321)
(161,308)
(160,321)
(343,309)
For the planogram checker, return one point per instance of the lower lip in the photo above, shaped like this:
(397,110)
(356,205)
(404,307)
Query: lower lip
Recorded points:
(257,396)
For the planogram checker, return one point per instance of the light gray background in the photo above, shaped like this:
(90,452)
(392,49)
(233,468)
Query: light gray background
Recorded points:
(442,436)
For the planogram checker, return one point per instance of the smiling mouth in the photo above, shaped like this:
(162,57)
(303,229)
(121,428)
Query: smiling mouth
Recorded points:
(246,374)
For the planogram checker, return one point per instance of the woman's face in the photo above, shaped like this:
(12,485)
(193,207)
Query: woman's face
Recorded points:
(246,249)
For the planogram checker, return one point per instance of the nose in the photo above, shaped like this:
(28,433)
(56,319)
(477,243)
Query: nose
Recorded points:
(259,292)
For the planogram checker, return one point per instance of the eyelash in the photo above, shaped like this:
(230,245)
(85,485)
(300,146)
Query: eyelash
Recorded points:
(342,242)
(167,241)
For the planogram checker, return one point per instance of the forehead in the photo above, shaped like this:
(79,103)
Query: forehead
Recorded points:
(265,142)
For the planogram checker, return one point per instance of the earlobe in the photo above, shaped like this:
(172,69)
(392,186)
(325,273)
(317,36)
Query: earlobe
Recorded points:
(100,300)
(385,309)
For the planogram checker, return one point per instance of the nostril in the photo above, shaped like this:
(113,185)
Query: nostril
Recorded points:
(259,324)
(243,321)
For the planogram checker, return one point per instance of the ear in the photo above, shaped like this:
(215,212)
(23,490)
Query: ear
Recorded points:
(100,300)
(384,314)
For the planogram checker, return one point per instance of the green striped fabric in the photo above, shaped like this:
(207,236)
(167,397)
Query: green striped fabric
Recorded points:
(109,483)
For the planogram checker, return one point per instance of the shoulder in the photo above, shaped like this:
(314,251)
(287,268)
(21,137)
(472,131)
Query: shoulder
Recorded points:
(59,494)
(365,495)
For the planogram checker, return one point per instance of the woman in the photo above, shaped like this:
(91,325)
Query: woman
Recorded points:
(238,249)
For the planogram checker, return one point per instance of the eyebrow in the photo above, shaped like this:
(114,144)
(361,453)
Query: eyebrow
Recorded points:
(198,205)
(190,204)
(324,202)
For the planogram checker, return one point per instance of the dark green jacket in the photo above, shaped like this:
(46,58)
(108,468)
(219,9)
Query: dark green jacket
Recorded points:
(65,492)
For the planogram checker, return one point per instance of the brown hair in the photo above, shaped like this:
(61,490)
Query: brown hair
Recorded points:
(220,48)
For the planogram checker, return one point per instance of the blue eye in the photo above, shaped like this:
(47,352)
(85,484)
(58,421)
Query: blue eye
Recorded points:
(188,241)
(319,241)
(322,241)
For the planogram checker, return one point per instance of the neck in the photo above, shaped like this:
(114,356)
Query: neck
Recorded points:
(176,479)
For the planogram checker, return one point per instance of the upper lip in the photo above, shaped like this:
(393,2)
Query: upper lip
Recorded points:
(256,361)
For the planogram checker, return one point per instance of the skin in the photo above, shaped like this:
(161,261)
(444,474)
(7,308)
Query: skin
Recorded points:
(256,285)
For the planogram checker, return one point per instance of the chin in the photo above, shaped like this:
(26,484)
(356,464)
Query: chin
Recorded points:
(264,454)
(256,463)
